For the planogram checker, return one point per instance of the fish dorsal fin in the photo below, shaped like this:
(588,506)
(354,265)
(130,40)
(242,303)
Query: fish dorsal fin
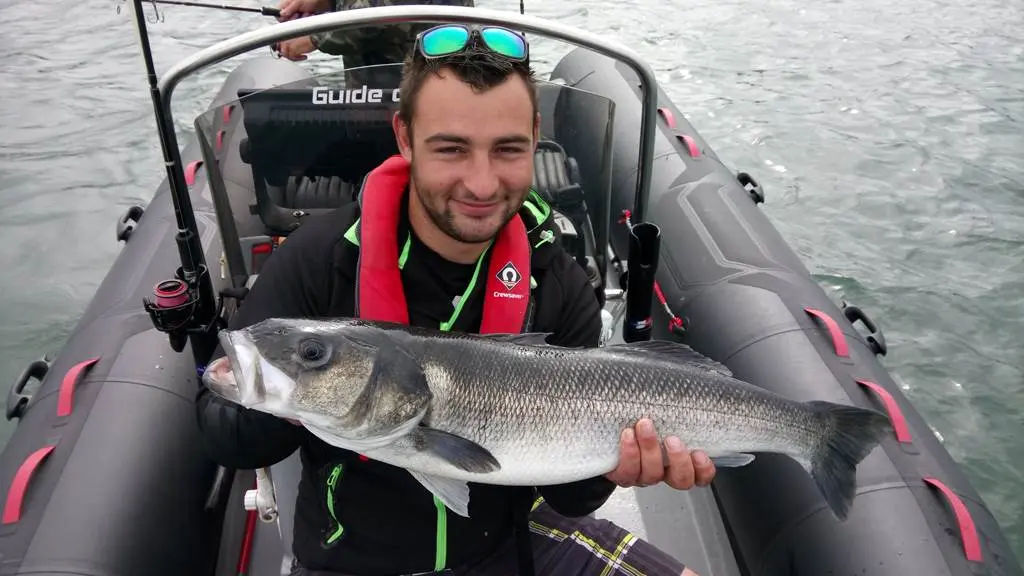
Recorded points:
(527,339)
(672,352)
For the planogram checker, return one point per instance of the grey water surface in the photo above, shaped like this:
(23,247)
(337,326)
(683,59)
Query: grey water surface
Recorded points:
(889,137)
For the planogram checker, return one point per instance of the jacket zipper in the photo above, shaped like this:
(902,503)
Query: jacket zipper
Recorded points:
(336,529)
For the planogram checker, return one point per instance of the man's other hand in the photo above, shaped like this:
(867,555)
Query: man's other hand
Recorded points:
(641,462)
(302,8)
(296,48)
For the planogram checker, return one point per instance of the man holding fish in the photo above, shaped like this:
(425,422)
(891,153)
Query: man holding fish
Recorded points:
(449,236)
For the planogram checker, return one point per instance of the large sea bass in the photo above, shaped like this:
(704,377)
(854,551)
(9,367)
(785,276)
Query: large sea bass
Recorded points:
(513,410)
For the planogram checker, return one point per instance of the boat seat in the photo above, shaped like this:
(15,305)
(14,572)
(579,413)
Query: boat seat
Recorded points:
(553,170)
(312,192)
(556,177)
(551,179)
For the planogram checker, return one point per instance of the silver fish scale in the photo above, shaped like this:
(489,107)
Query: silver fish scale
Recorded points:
(575,403)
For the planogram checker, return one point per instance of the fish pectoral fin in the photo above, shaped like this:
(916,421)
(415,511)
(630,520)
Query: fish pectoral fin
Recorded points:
(732,460)
(527,339)
(452,493)
(672,351)
(456,450)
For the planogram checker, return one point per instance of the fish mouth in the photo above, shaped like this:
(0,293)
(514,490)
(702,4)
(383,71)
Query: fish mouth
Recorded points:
(234,376)
(220,378)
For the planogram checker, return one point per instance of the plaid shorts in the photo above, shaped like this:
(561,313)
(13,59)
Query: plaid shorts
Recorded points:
(584,546)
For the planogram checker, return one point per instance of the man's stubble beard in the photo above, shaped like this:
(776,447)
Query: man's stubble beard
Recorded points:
(445,221)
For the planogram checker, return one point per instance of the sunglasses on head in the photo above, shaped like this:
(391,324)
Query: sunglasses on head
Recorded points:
(448,39)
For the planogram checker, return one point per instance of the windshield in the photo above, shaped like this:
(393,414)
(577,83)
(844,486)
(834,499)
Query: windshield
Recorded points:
(276,152)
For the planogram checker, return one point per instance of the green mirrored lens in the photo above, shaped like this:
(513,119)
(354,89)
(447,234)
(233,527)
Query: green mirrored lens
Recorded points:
(505,42)
(444,41)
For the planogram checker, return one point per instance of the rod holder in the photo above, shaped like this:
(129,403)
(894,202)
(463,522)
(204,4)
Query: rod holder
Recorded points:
(644,249)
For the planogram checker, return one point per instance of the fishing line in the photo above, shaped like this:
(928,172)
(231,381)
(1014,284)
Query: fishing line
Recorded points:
(157,15)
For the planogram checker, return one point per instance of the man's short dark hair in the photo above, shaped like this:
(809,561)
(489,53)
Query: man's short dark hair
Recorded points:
(477,66)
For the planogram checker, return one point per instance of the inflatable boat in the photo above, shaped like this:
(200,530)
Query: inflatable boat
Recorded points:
(106,476)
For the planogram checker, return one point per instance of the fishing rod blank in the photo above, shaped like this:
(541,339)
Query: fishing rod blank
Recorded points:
(264,10)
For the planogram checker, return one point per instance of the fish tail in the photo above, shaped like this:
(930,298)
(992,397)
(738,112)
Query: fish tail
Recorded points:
(851,433)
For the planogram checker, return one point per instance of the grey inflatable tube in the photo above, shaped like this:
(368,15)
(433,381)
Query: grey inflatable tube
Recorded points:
(105,474)
(749,302)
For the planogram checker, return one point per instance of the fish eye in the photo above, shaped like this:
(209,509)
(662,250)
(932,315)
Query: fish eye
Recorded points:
(312,352)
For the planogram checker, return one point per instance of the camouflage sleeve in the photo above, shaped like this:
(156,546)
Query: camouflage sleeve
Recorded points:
(367,46)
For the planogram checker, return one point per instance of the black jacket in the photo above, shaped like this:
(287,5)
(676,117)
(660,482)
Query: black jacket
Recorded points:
(388,521)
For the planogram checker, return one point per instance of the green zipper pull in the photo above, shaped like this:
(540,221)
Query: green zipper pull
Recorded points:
(332,481)
(441,550)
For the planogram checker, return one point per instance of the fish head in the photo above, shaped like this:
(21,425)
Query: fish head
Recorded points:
(335,375)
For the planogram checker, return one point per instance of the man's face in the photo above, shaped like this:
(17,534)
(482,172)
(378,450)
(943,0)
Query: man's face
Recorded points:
(473,160)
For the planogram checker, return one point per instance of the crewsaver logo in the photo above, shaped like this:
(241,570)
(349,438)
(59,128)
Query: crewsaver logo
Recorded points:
(509,276)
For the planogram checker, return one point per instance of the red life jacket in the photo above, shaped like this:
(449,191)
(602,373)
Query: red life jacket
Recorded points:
(380,294)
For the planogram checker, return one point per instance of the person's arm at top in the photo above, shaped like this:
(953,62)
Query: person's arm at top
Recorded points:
(354,41)
(287,287)
(579,326)
(343,42)
(296,48)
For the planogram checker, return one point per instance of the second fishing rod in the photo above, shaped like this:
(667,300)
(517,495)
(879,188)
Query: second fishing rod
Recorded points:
(264,10)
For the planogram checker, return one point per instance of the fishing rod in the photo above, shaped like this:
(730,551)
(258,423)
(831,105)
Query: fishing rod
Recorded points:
(264,10)
(186,306)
